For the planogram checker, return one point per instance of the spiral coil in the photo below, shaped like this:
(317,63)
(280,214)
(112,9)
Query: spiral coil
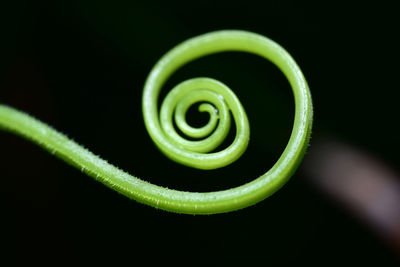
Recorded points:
(220,102)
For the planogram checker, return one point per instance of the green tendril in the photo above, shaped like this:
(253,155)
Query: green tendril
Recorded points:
(218,101)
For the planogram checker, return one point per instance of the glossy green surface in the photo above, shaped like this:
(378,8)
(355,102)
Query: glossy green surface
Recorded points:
(191,153)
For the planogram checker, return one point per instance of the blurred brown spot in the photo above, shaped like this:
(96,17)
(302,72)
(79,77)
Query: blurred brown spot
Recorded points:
(362,183)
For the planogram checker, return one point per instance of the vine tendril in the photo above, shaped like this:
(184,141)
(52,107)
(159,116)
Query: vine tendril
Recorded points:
(219,102)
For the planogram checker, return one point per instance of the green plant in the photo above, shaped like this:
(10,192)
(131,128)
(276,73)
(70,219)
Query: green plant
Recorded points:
(191,153)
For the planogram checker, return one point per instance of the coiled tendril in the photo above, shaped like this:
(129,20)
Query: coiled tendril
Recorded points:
(191,153)
(218,98)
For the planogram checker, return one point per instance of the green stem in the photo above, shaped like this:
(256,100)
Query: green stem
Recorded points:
(191,153)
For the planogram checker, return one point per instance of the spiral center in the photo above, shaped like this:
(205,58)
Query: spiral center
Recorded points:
(196,117)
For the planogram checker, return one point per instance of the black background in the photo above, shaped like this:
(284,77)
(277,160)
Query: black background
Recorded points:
(80,66)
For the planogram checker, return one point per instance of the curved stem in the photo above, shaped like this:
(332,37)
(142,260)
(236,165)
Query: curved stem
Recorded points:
(178,201)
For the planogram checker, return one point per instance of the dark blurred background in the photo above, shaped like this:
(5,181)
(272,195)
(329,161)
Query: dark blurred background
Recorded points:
(80,66)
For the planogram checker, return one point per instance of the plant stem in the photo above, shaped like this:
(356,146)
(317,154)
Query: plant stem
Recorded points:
(190,153)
